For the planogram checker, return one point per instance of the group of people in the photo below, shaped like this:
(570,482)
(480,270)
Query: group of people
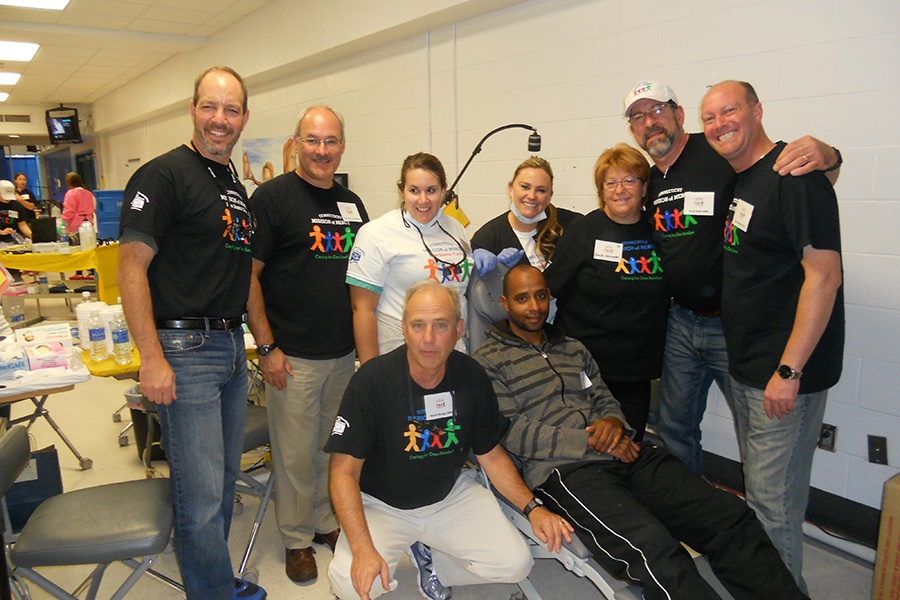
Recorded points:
(19,207)
(370,464)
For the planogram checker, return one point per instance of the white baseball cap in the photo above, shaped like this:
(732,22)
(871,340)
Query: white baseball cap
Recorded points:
(7,190)
(652,89)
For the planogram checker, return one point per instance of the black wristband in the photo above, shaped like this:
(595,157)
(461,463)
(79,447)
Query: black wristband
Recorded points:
(836,165)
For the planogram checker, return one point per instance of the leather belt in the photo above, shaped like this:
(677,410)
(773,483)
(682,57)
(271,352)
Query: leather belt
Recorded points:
(202,323)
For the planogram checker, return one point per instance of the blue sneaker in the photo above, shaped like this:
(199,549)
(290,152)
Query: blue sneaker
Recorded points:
(429,585)
(244,590)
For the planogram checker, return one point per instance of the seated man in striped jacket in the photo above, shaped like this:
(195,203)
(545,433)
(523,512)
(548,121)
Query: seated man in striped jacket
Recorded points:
(630,504)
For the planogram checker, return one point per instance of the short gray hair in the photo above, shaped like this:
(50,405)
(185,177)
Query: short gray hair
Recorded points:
(313,107)
(431,283)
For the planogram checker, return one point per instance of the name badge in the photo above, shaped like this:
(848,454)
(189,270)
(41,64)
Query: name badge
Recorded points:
(438,406)
(13,214)
(701,204)
(743,211)
(349,212)
(610,251)
(585,381)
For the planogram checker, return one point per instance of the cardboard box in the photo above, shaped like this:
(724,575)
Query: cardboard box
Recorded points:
(45,334)
(46,355)
(886,585)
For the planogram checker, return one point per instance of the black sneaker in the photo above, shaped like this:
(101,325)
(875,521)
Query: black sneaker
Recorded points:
(244,590)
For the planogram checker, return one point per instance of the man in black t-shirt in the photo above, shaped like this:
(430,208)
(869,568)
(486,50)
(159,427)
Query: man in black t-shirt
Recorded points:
(184,276)
(406,425)
(782,311)
(689,192)
(300,315)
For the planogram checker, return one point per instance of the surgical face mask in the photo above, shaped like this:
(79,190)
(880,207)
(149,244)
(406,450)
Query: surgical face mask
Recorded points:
(527,220)
(421,226)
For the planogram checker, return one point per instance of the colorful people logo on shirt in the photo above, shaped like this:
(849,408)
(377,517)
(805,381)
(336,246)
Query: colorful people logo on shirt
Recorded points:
(336,238)
(430,439)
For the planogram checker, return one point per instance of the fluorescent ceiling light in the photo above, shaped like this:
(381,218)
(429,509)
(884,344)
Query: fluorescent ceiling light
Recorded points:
(20,51)
(3,96)
(14,135)
(9,78)
(47,4)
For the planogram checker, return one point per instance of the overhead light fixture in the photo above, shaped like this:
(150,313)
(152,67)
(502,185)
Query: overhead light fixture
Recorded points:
(3,96)
(15,135)
(19,51)
(9,78)
(45,4)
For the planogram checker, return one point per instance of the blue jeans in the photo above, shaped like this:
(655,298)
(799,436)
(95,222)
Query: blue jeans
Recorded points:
(695,354)
(777,456)
(203,432)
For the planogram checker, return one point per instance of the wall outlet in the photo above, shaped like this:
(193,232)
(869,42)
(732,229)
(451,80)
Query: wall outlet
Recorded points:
(878,449)
(828,437)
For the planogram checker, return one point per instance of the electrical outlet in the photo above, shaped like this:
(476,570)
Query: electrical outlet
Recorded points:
(828,437)
(878,449)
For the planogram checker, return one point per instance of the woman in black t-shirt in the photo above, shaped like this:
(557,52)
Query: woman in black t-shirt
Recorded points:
(607,277)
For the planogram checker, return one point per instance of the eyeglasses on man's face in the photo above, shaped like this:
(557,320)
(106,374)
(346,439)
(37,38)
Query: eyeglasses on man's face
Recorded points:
(639,118)
(313,143)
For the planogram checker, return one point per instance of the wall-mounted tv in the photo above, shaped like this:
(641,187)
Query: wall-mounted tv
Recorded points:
(62,125)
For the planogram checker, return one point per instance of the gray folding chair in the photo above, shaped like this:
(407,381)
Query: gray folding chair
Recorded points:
(129,522)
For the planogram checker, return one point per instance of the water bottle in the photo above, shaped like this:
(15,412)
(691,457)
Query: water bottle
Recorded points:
(118,328)
(87,236)
(43,283)
(97,337)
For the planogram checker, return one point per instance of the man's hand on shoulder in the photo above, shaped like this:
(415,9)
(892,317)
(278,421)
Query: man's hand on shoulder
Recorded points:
(805,155)
(275,368)
(550,528)
(367,565)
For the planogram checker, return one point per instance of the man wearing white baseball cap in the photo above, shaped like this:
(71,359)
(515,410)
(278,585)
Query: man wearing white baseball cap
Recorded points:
(12,228)
(689,192)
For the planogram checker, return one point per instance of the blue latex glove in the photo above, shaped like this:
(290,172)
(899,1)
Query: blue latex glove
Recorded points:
(485,261)
(510,256)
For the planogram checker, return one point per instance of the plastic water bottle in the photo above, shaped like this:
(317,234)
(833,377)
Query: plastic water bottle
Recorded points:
(43,283)
(118,327)
(97,337)
(87,236)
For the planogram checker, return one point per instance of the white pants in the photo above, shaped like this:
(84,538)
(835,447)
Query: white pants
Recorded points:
(471,540)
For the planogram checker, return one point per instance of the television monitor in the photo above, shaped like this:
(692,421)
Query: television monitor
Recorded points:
(62,125)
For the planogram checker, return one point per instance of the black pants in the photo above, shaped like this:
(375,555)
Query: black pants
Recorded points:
(632,517)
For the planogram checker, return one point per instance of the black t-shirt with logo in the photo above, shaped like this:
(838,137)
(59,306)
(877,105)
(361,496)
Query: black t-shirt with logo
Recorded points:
(763,274)
(411,461)
(692,244)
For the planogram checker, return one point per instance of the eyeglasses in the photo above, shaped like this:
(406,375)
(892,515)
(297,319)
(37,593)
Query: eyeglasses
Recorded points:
(610,185)
(313,142)
(637,118)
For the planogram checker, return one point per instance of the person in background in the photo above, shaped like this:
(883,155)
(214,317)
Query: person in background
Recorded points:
(29,203)
(782,312)
(532,224)
(414,242)
(300,316)
(79,204)
(607,278)
(184,276)
(690,190)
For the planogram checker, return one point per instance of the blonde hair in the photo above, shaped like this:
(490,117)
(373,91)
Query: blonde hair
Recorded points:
(622,157)
(549,230)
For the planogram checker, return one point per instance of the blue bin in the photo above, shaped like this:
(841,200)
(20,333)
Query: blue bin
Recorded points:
(109,206)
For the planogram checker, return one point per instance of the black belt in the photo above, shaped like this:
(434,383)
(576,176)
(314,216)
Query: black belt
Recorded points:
(202,323)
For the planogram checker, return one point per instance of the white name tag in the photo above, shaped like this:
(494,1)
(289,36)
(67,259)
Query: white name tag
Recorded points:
(610,251)
(743,211)
(349,212)
(700,203)
(585,381)
(438,406)
(13,214)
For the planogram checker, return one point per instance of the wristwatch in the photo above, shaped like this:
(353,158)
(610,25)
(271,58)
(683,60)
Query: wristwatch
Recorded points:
(265,349)
(837,165)
(535,502)
(786,372)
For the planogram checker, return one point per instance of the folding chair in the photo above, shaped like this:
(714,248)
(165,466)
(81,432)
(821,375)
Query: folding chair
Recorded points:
(129,522)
